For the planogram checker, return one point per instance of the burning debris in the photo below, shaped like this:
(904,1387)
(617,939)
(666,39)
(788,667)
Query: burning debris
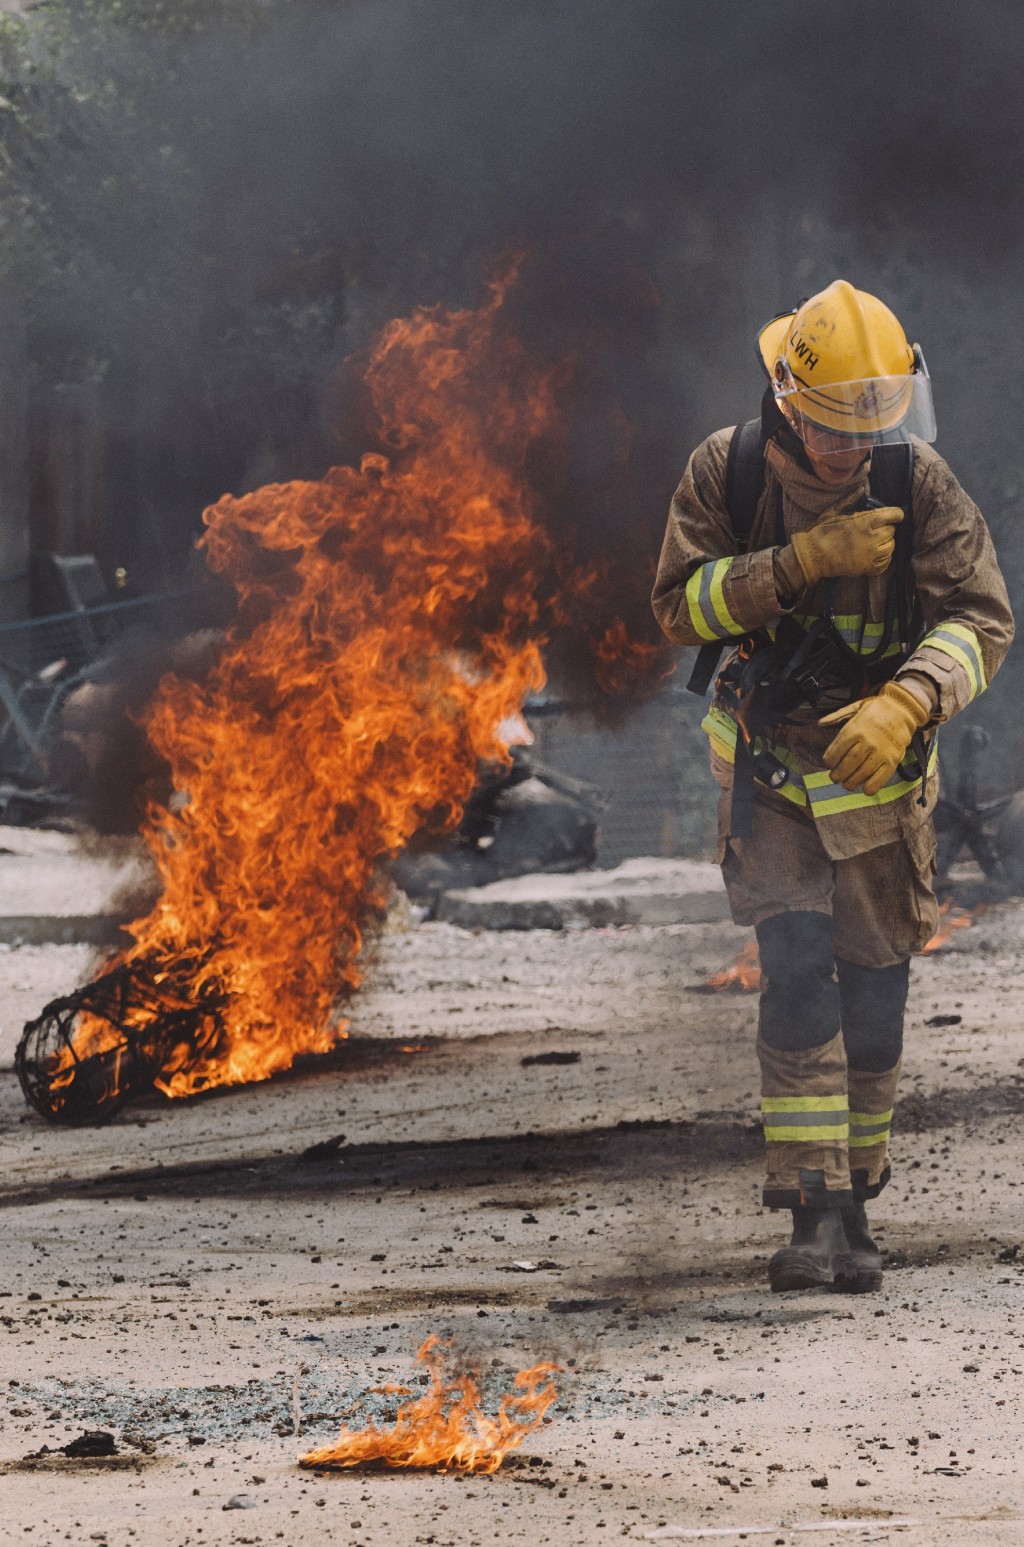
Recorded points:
(741,976)
(951,918)
(446,1429)
(743,973)
(111,1041)
(389,625)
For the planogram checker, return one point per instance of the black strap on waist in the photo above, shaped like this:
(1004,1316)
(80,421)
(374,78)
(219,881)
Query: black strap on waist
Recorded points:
(744,772)
(704,667)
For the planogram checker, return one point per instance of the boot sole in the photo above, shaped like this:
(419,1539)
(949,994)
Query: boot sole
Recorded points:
(799,1272)
(858,1283)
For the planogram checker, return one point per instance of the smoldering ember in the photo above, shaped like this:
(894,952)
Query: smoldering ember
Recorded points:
(511,814)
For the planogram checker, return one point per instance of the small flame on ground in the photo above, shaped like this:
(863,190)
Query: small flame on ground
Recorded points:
(741,976)
(951,918)
(446,1429)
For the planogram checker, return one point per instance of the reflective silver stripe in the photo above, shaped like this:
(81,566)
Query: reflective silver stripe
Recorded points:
(824,794)
(862,1130)
(827,798)
(837,1119)
(854,632)
(958,642)
(715,615)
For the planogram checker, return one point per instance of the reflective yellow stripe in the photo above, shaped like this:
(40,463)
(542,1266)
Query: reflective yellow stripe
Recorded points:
(805,1119)
(960,643)
(863,1119)
(721,730)
(705,601)
(840,1134)
(826,797)
(869,1128)
(717,597)
(805,1103)
(693,586)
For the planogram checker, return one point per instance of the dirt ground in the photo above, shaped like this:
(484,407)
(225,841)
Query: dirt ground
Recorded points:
(189,1276)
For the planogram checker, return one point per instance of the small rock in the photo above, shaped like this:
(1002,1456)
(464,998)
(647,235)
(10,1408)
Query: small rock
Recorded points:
(240,1501)
(819,1482)
(92,1442)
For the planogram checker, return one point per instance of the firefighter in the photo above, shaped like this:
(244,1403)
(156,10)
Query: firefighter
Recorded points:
(832,550)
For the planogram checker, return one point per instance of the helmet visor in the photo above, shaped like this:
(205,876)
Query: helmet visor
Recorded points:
(834,418)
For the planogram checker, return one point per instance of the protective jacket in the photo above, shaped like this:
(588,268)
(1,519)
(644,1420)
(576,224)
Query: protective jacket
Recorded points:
(706,590)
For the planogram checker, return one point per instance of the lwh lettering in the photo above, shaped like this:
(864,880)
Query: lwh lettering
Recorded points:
(805,352)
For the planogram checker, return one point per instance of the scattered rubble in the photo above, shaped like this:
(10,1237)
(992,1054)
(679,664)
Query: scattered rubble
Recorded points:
(615,1230)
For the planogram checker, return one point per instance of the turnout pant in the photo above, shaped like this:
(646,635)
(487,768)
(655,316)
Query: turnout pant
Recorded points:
(835,938)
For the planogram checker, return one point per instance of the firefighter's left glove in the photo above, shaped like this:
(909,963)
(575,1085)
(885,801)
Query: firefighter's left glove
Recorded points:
(874,739)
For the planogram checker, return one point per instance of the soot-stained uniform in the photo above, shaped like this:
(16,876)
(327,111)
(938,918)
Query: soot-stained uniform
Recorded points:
(818,852)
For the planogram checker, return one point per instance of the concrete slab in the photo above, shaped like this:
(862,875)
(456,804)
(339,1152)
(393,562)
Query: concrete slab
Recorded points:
(53,891)
(639,891)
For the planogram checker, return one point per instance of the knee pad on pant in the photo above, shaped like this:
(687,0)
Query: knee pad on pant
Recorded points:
(800,1000)
(872,1003)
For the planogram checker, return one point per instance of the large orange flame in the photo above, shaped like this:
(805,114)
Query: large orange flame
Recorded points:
(389,624)
(446,1429)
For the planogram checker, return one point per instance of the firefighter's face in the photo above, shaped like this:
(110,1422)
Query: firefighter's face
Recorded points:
(838,468)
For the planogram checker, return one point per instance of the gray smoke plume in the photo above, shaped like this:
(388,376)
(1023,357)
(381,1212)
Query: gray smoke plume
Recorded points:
(210,214)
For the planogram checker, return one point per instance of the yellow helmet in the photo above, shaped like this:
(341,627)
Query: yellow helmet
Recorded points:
(844,374)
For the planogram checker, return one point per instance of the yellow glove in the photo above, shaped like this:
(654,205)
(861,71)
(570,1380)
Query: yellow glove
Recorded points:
(859,544)
(875,738)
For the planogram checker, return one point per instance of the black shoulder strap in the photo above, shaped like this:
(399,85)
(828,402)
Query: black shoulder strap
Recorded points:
(892,477)
(892,483)
(744,480)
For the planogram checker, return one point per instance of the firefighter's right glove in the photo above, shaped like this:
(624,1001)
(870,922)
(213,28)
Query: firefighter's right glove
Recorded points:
(859,544)
(874,738)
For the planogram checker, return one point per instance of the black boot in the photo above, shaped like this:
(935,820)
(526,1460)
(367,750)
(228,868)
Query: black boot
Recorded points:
(864,1272)
(817,1257)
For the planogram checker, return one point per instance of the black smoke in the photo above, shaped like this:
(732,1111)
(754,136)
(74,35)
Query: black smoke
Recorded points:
(237,199)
